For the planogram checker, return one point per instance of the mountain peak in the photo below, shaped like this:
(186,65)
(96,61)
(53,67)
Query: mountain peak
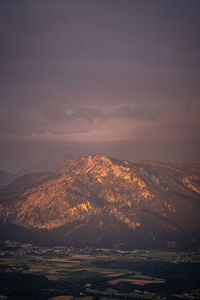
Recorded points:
(98,159)
(99,166)
(69,157)
(82,164)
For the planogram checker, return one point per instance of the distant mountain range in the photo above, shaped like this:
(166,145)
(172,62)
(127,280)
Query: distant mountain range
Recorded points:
(8,177)
(104,202)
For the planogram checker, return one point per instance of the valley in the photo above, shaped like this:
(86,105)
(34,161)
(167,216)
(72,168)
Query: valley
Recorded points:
(90,273)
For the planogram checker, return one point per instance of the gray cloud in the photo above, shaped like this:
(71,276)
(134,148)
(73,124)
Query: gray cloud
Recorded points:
(140,112)
(64,119)
(52,119)
(99,51)
(73,113)
(19,122)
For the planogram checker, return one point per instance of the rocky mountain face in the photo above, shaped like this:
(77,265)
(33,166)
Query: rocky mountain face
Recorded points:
(104,202)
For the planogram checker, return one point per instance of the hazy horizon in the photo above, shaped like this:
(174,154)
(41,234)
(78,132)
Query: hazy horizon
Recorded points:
(50,159)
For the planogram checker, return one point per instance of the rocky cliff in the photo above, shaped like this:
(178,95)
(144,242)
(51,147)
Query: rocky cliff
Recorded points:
(100,201)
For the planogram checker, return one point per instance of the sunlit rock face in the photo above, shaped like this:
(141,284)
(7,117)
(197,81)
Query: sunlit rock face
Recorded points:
(151,200)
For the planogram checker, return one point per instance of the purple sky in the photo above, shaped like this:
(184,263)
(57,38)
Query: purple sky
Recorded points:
(120,77)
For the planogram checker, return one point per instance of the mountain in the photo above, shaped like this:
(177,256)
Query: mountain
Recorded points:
(104,202)
(8,177)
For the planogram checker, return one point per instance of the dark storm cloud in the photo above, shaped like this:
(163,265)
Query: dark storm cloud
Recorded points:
(147,111)
(53,119)
(131,51)
(63,114)
(100,70)
(166,113)
(19,122)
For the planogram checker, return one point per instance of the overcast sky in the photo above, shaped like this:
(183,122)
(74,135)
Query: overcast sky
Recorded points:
(120,77)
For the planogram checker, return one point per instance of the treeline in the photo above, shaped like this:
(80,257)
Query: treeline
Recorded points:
(20,286)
